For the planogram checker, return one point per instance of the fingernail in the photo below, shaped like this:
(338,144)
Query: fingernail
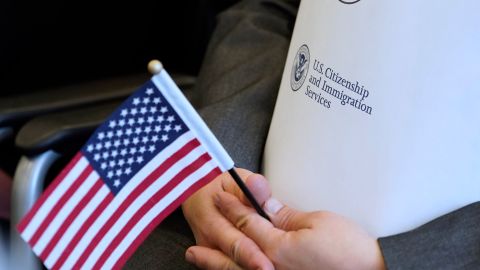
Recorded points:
(272,206)
(190,257)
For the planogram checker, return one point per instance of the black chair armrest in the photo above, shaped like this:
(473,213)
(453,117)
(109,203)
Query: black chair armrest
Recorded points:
(17,109)
(63,132)
(67,131)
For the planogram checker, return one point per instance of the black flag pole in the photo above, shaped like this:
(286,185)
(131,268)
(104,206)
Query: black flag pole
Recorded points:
(247,193)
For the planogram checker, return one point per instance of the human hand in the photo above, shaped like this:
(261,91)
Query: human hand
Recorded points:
(215,233)
(296,240)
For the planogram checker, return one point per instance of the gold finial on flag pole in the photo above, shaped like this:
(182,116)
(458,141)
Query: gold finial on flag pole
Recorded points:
(155,66)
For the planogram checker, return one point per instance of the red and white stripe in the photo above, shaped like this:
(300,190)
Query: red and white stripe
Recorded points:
(78,223)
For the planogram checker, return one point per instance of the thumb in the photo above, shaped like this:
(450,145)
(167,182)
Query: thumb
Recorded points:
(286,218)
(256,183)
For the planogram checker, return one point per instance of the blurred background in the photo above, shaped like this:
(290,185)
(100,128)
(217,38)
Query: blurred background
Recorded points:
(48,45)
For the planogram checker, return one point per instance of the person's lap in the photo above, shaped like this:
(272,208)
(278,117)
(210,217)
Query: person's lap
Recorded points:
(165,247)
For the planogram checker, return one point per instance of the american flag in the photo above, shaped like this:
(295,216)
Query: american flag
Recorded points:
(151,154)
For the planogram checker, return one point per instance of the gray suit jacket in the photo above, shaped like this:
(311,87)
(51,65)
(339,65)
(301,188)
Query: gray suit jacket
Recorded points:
(236,93)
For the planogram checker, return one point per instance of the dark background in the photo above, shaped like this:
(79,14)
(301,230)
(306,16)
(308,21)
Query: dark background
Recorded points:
(52,43)
(48,44)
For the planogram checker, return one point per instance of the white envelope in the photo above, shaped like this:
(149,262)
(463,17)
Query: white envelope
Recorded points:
(405,146)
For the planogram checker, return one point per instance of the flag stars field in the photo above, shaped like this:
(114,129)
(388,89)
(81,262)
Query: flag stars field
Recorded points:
(135,119)
(116,183)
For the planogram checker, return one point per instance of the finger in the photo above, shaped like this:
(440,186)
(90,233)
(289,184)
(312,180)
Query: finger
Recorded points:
(211,259)
(237,246)
(213,230)
(259,187)
(256,183)
(248,221)
(286,218)
(229,185)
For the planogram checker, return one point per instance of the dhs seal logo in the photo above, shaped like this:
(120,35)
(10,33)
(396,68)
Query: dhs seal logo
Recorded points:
(300,68)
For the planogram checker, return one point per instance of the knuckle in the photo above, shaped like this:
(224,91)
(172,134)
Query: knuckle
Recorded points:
(241,249)
(287,219)
(234,251)
(244,221)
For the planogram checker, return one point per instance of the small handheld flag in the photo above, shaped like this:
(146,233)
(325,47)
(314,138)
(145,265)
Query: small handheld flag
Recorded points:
(147,158)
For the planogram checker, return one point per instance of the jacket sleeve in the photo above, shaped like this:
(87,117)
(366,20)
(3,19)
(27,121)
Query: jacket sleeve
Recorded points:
(448,242)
